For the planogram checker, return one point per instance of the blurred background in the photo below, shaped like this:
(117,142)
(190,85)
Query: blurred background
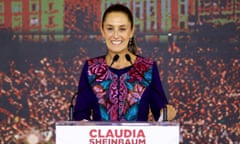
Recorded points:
(44,43)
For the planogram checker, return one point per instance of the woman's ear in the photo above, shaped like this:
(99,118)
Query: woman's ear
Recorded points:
(101,29)
(133,31)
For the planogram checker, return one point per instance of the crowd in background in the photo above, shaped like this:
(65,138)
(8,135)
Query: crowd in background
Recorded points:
(201,80)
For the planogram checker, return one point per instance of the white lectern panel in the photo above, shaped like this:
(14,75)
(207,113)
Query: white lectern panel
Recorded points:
(70,132)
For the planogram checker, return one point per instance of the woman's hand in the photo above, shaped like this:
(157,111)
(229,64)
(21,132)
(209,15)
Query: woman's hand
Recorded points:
(171,112)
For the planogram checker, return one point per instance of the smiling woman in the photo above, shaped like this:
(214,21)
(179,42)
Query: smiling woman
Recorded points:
(117,31)
(121,85)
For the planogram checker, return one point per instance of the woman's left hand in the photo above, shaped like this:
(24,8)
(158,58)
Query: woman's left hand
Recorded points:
(171,112)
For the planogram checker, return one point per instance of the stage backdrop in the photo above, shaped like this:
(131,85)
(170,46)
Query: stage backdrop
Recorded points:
(44,43)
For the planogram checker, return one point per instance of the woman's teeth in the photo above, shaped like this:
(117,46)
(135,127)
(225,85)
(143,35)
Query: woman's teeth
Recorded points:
(116,42)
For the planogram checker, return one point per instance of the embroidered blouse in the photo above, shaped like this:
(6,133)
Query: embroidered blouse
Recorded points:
(108,94)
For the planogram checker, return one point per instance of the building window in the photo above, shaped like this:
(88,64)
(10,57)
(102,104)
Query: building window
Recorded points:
(182,24)
(16,8)
(35,7)
(182,9)
(138,15)
(1,22)
(34,21)
(50,6)
(50,20)
(1,8)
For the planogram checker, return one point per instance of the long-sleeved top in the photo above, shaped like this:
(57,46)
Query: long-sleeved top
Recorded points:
(108,94)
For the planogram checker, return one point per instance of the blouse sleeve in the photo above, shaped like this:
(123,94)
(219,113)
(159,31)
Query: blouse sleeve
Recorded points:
(158,98)
(82,109)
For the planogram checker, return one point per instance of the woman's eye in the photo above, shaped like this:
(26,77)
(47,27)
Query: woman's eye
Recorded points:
(122,29)
(109,29)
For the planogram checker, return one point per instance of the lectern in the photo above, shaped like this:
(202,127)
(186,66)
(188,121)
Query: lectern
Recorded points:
(85,132)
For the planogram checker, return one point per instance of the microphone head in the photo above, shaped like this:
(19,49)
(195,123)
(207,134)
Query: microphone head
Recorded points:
(115,58)
(127,56)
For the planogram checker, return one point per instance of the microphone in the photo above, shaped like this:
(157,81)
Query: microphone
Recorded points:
(128,58)
(71,110)
(115,58)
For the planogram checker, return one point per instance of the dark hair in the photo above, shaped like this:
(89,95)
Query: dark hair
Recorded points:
(121,8)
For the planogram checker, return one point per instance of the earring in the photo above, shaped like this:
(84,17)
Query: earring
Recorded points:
(130,42)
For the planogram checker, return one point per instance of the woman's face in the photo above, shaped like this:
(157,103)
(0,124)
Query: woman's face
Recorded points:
(117,31)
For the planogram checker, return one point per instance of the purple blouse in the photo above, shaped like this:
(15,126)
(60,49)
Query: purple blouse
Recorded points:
(108,94)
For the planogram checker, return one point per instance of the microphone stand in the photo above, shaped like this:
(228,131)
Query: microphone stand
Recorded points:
(165,114)
(71,107)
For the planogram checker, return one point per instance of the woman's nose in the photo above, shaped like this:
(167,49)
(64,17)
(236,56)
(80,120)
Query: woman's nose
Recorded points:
(115,34)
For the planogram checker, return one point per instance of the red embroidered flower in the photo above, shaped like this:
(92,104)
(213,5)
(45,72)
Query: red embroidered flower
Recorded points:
(135,95)
(98,68)
(100,93)
(140,67)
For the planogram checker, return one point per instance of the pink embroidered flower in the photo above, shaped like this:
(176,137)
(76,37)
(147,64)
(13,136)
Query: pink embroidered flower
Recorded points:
(99,69)
(100,93)
(135,95)
(139,69)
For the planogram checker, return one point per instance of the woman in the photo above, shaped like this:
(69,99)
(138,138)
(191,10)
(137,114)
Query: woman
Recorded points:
(120,86)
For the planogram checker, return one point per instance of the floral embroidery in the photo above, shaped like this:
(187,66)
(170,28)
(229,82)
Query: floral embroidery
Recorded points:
(119,97)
